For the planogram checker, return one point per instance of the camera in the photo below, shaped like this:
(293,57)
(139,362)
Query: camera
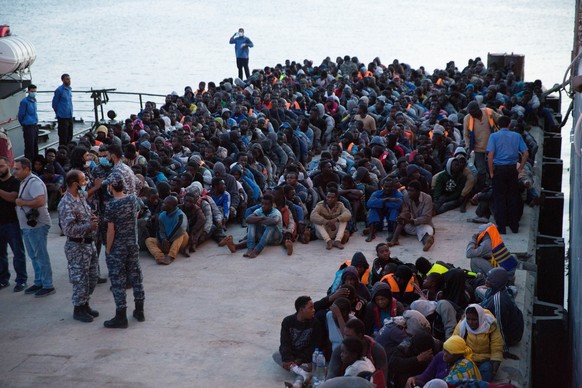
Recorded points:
(31,217)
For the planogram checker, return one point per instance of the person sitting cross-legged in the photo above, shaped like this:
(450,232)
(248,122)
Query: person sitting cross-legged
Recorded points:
(385,203)
(265,227)
(330,218)
(416,216)
(172,233)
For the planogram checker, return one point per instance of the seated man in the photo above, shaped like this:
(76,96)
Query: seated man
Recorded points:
(499,299)
(401,283)
(448,187)
(221,198)
(265,227)
(330,218)
(196,220)
(385,203)
(172,234)
(355,328)
(287,217)
(487,250)
(383,264)
(300,335)
(416,217)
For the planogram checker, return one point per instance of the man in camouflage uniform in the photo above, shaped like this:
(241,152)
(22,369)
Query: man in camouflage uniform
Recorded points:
(100,198)
(79,225)
(122,251)
(131,183)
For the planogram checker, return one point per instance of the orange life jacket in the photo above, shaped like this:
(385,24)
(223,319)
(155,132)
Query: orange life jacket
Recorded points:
(365,276)
(500,256)
(493,127)
(394,285)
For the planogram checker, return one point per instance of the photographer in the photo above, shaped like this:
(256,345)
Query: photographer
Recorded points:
(35,222)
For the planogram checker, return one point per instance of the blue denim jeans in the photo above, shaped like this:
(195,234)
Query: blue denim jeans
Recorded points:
(259,236)
(35,241)
(10,235)
(486,370)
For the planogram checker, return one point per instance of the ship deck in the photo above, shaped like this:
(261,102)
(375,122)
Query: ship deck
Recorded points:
(214,319)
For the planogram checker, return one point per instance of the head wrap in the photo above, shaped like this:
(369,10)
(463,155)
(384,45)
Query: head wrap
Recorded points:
(415,322)
(485,321)
(457,345)
(425,307)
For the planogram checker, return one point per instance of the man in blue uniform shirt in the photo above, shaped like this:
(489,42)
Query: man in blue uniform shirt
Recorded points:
(63,107)
(504,148)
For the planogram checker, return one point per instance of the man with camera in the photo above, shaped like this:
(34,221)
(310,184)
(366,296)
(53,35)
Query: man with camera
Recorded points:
(79,224)
(35,222)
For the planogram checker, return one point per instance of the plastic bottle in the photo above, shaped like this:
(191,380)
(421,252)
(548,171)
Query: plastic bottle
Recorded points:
(315,382)
(314,362)
(321,366)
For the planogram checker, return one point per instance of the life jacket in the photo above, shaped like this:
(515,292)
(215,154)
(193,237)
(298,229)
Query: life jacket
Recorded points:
(492,127)
(438,268)
(394,286)
(500,256)
(337,280)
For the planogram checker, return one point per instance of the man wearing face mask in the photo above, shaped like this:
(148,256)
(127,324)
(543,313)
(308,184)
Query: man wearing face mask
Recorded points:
(79,224)
(28,118)
(101,196)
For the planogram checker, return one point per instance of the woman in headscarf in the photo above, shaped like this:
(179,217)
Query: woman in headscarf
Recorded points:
(480,330)
(453,364)
(499,299)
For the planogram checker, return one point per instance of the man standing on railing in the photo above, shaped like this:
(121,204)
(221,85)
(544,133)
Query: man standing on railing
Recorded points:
(63,107)
(28,118)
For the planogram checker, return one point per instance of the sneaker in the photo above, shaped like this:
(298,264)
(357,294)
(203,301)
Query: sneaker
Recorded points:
(32,289)
(44,292)
(4,285)
(19,287)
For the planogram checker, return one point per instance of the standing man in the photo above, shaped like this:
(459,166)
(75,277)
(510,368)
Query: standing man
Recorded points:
(130,181)
(121,253)
(241,48)
(478,125)
(79,225)
(35,222)
(504,148)
(28,118)
(63,107)
(10,230)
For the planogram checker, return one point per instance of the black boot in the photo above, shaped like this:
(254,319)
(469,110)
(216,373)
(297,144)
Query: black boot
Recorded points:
(117,322)
(138,312)
(93,313)
(80,314)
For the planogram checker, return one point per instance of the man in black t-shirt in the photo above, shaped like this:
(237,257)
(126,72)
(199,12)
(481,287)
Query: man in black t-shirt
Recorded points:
(10,230)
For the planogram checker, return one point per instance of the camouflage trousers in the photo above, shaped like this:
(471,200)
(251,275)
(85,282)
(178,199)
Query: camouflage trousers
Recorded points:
(123,264)
(82,263)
